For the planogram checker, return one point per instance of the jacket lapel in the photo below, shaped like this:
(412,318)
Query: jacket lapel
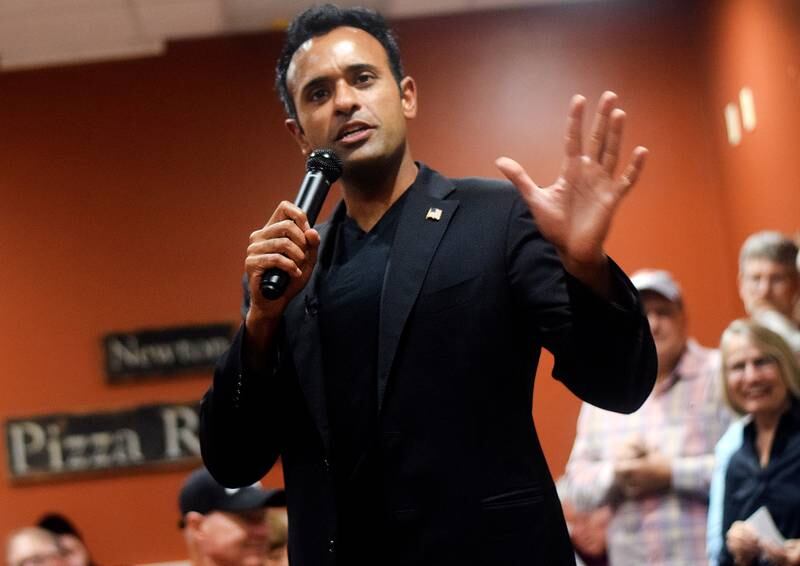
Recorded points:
(303,334)
(423,222)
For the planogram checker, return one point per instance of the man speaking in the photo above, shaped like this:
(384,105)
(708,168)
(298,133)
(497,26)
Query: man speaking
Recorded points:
(394,376)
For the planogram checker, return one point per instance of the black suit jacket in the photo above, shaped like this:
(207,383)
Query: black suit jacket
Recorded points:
(455,471)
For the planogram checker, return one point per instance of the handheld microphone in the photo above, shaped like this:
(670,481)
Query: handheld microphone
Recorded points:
(323,168)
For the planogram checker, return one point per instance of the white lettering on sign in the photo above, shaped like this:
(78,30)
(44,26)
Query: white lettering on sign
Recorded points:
(180,432)
(126,354)
(55,452)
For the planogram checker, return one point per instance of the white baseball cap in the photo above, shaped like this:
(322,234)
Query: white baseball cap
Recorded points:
(658,281)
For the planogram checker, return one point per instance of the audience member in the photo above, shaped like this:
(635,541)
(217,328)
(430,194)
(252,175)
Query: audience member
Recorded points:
(69,539)
(225,527)
(727,446)
(653,467)
(277,537)
(33,546)
(769,284)
(762,381)
(796,316)
(587,529)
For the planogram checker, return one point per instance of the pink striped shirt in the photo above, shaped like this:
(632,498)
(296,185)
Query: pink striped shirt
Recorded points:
(683,419)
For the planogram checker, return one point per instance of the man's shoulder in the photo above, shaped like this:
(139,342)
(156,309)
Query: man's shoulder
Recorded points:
(474,187)
(700,381)
(484,187)
(492,200)
(699,360)
(699,350)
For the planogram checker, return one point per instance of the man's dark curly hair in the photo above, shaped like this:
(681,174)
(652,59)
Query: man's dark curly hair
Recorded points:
(319,20)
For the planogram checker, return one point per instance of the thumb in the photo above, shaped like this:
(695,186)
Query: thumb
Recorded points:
(515,173)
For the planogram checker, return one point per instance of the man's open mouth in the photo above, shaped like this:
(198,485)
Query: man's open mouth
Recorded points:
(352,131)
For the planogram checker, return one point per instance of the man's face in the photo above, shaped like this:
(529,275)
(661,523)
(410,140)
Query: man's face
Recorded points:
(348,100)
(75,552)
(764,283)
(278,556)
(231,539)
(31,549)
(668,326)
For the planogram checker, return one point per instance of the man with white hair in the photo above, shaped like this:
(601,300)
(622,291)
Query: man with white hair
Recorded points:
(769,283)
(33,546)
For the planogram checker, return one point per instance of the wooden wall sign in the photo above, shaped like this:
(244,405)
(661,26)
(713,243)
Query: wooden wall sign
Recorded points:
(57,445)
(164,352)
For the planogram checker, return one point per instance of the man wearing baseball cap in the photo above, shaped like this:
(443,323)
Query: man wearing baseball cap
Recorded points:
(225,527)
(654,466)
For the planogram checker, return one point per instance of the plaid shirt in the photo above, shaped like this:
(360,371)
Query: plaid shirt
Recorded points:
(683,419)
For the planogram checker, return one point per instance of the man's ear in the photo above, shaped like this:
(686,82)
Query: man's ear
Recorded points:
(740,285)
(299,135)
(192,522)
(408,97)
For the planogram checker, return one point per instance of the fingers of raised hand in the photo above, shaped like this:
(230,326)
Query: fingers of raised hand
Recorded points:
(609,156)
(605,141)
(573,143)
(634,168)
(603,119)
(515,173)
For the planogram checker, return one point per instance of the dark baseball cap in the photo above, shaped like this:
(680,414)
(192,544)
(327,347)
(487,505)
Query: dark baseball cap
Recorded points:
(202,493)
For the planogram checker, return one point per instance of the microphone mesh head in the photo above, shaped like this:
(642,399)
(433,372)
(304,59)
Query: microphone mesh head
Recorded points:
(326,162)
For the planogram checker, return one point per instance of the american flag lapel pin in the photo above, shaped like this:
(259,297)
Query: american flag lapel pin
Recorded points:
(434,214)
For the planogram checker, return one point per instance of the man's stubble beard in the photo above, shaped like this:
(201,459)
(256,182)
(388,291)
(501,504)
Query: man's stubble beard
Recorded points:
(369,175)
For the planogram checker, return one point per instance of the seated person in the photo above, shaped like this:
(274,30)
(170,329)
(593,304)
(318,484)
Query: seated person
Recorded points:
(225,526)
(277,537)
(33,546)
(69,539)
(762,381)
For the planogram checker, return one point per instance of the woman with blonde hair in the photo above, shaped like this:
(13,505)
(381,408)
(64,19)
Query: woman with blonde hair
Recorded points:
(762,380)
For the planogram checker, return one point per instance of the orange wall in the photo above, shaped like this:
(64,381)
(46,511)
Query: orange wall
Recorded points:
(129,190)
(755,43)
